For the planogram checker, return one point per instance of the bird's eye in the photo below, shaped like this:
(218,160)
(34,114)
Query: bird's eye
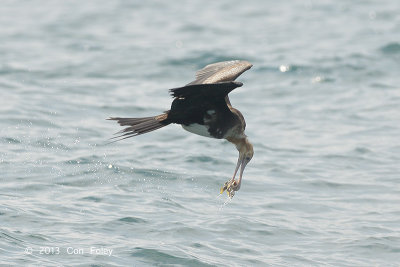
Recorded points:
(248,158)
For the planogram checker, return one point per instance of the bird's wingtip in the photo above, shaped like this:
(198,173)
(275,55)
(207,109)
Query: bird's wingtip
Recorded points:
(239,84)
(245,63)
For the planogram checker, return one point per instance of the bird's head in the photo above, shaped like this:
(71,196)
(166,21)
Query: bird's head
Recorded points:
(246,150)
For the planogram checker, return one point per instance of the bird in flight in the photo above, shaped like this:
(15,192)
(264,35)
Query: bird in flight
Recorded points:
(202,107)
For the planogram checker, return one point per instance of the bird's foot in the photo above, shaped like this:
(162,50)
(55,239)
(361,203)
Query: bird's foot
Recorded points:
(231,187)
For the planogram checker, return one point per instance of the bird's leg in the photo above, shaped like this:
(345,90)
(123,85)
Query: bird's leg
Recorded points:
(231,184)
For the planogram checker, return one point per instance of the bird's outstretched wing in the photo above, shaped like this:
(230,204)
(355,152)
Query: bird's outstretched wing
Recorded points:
(221,72)
(208,91)
(203,104)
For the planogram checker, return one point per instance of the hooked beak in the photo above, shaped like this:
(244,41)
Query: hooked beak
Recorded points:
(243,164)
(245,149)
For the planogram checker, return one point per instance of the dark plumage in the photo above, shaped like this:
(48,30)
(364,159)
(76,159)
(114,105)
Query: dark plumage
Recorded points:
(203,107)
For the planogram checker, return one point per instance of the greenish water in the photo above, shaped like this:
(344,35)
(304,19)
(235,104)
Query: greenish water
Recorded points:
(322,106)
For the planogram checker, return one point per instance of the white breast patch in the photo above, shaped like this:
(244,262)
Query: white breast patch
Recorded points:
(211,112)
(197,129)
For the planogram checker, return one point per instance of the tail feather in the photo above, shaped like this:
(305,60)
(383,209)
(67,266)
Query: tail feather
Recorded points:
(131,121)
(138,126)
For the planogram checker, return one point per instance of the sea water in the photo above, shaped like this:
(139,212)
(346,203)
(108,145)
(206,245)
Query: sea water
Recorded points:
(322,107)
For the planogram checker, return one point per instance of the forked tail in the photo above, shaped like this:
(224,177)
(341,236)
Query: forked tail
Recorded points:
(138,126)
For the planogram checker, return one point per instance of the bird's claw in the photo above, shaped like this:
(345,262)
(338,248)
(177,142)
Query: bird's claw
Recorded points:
(224,187)
(230,186)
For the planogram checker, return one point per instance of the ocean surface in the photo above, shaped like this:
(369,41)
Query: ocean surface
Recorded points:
(322,106)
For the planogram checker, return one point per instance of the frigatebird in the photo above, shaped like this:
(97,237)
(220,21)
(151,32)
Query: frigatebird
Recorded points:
(202,107)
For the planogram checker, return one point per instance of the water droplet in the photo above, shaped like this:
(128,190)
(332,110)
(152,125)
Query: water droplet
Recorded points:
(284,68)
(317,79)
